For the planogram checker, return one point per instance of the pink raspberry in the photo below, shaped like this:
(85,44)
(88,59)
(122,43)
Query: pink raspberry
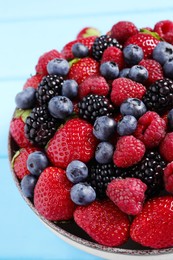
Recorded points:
(127,194)
(114,54)
(151,129)
(168,177)
(123,30)
(165,30)
(166,147)
(129,150)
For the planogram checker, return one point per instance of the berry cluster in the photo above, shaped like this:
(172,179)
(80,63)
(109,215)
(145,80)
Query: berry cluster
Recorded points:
(93,134)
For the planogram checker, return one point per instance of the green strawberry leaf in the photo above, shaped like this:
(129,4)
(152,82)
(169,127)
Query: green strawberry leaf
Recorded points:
(71,62)
(91,32)
(14,158)
(154,34)
(22,113)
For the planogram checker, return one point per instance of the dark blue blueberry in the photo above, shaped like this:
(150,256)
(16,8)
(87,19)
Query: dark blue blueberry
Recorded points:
(127,125)
(26,98)
(60,107)
(37,162)
(77,171)
(104,152)
(138,73)
(133,54)
(170,119)
(134,107)
(79,50)
(168,69)
(58,67)
(109,70)
(70,88)
(104,128)
(28,184)
(82,194)
(163,52)
(124,73)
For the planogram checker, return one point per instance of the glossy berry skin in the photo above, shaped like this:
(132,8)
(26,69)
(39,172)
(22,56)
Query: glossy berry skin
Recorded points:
(168,69)
(168,177)
(70,88)
(79,50)
(28,185)
(33,81)
(60,107)
(104,128)
(133,54)
(104,152)
(170,119)
(37,162)
(138,73)
(82,194)
(58,67)
(26,99)
(124,73)
(134,107)
(165,29)
(127,125)
(77,171)
(163,52)
(109,70)
(122,30)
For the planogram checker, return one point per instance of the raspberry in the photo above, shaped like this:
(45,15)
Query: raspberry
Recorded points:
(123,88)
(166,147)
(33,81)
(168,177)
(123,30)
(165,30)
(113,54)
(128,151)
(151,129)
(128,194)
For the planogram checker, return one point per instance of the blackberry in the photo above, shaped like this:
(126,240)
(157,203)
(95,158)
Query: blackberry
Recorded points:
(102,43)
(159,96)
(100,175)
(150,171)
(49,87)
(40,126)
(93,106)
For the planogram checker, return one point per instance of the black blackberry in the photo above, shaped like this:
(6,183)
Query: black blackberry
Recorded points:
(100,175)
(102,43)
(159,96)
(150,171)
(40,126)
(93,106)
(49,87)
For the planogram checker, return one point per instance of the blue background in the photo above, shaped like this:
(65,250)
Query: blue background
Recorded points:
(27,30)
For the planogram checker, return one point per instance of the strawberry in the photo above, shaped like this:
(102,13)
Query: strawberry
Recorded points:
(103,222)
(165,29)
(33,81)
(73,141)
(114,54)
(123,30)
(52,195)
(153,227)
(17,125)
(88,31)
(83,68)
(144,40)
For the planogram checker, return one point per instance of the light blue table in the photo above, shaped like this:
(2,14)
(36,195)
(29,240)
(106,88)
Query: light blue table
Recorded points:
(28,29)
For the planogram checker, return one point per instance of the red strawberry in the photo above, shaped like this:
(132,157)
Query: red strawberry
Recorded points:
(67,49)
(93,85)
(83,68)
(123,88)
(113,54)
(19,161)
(144,40)
(166,147)
(103,222)
(128,194)
(165,30)
(123,30)
(168,177)
(17,128)
(52,195)
(41,67)
(33,81)
(88,31)
(128,151)
(153,227)
(73,141)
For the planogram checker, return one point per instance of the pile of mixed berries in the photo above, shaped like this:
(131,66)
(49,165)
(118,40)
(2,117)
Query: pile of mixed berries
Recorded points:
(94,134)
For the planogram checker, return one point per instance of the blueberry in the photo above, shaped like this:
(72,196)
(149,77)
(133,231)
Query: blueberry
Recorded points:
(104,152)
(82,194)
(170,119)
(37,162)
(124,73)
(104,128)
(79,50)
(168,69)
(58,67)
(76,171)
(109,70)
(26,99)
(60,107)
(163,52)
(138,73)
(134,107)
(28,184)
(70,88)
(133,54)
(127,125)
